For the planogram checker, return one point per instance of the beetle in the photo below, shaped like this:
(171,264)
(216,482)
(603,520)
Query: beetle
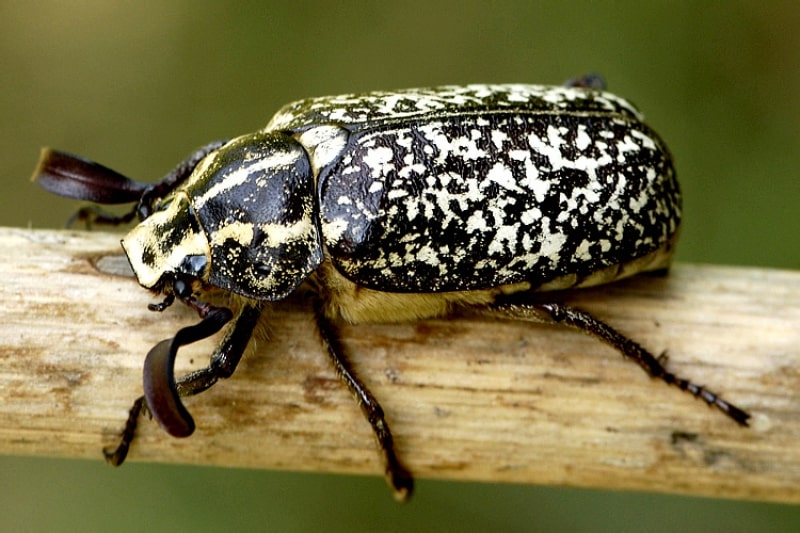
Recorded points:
(395,206)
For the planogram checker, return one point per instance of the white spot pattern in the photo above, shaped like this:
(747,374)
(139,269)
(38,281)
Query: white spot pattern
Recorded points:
(488,185)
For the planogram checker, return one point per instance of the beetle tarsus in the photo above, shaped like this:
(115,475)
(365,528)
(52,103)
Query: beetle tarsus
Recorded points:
(588,81)
(227,355)
(399,479)
(116,456)
(632,350)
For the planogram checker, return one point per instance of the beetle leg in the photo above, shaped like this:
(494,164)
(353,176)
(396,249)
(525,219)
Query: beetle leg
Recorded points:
(587,81)
(178,175)
(162,392)
(116,456)
(509,307)
(227,355)
(397,476)
(92,214)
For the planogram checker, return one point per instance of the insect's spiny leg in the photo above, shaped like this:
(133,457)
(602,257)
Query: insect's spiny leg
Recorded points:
(632,350)
(116,456)
(397,476)
(512,307)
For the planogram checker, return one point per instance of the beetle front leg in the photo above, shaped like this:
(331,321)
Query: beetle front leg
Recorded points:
(397,476)
(116,456)
(511,307)
(163,393)
(227,355)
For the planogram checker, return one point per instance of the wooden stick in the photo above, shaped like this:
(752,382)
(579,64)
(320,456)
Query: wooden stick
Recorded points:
(467,399)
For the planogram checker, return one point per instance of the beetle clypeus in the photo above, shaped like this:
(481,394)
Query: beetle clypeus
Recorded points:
(396,206)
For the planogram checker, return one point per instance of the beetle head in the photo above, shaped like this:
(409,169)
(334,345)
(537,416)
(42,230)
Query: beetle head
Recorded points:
(169,244)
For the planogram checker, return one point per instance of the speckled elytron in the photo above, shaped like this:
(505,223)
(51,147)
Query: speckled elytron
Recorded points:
(397,206)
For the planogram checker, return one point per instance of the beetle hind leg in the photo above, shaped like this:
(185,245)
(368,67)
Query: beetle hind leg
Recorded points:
(511,308)
(397,476)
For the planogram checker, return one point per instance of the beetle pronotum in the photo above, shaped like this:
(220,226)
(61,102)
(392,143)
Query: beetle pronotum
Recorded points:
(396,206)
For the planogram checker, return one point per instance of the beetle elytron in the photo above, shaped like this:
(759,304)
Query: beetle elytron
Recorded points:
(396,206)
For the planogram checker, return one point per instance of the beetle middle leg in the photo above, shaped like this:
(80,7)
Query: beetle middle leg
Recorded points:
(397,476)
(512,307)
(163,392)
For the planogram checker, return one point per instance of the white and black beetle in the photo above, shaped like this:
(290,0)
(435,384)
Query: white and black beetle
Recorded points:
(396,206)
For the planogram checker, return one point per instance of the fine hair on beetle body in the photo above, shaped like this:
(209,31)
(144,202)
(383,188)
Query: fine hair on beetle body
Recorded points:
(395,206)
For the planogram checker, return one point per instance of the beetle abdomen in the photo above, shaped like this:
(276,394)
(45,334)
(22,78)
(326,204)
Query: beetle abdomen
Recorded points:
(480,200)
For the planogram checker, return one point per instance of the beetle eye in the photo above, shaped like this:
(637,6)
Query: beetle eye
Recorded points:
(163,204)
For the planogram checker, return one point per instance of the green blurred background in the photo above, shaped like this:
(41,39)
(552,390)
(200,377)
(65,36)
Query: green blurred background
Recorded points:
(137,85)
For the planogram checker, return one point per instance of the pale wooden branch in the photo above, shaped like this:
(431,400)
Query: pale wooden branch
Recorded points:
(467,399)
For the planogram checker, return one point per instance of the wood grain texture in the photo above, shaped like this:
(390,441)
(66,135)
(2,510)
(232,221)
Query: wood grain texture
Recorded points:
(467,399)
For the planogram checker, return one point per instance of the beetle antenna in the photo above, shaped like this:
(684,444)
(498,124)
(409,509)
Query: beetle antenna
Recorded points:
(160,389)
